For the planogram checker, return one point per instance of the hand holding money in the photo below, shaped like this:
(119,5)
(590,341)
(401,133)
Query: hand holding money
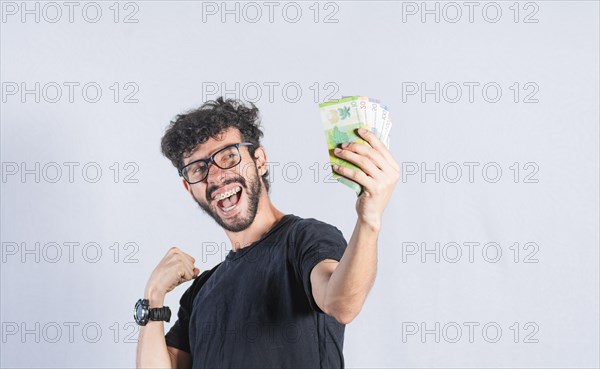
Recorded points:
(342,118)
(377,173)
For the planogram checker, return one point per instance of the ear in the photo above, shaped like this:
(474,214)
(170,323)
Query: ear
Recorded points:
(261,160)
(186,185)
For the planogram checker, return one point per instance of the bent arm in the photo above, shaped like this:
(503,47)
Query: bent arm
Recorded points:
(152,349)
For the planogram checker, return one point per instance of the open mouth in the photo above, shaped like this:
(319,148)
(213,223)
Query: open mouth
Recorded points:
(228,200)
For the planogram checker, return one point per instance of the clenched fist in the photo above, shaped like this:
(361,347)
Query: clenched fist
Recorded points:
(174,269)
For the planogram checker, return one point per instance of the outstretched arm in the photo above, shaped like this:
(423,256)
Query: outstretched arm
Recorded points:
(340,288)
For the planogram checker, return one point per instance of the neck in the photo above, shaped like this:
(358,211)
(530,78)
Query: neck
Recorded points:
(266,217)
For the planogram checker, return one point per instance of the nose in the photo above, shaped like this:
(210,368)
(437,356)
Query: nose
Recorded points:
(215,175)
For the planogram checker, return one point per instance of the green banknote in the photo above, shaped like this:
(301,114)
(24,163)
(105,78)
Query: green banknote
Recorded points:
(341,119)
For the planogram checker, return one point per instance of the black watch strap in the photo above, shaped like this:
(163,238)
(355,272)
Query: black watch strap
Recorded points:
(163,313)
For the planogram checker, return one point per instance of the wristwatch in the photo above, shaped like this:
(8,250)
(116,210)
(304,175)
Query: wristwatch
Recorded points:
(142,312)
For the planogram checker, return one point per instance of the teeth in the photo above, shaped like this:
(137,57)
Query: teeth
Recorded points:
(225,195)
(229,208)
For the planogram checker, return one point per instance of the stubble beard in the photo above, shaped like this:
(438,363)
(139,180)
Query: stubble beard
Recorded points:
(252,189)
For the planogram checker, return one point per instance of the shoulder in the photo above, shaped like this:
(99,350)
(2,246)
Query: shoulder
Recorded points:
(312,242)
(304,224)
(303,228)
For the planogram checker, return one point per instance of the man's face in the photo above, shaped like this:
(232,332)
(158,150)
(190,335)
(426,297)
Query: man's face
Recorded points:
(229,196)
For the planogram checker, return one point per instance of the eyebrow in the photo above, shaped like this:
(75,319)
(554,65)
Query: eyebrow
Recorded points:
(211,154)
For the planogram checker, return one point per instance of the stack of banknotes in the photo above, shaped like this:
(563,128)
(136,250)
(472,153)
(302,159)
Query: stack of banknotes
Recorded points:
(341,119)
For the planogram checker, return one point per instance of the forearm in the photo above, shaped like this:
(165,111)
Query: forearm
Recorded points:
(152,347)
(354,276)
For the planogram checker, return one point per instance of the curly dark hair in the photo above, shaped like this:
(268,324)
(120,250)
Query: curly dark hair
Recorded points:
(195,127)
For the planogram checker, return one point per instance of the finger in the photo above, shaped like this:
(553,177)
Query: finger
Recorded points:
(183,270)
(355,175)
(376,143)
(188,257)
(173,250)
(177,251)
(182,257)
(360,161)
(184,276)
(369,152)
(190,270)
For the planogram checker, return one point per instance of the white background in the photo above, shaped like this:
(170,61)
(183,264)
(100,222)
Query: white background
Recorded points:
(175,51)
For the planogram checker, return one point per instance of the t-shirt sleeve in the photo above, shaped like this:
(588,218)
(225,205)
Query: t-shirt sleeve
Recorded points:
(178,335)
(315,241)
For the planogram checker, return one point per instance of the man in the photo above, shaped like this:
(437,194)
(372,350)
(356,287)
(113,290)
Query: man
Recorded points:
(284,293)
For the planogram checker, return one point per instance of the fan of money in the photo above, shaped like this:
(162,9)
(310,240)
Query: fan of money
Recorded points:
(341,118)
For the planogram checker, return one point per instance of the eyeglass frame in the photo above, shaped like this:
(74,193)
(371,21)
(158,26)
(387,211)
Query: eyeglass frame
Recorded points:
(211,159)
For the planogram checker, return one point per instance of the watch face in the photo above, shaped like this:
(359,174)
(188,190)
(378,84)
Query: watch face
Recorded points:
(141,313)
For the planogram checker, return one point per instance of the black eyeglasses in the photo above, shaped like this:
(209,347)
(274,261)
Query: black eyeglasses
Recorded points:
(227,157)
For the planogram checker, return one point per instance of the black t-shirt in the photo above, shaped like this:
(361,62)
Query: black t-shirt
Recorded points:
(256,309)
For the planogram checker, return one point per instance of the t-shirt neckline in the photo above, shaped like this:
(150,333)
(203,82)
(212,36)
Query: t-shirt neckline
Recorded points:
(243,251)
